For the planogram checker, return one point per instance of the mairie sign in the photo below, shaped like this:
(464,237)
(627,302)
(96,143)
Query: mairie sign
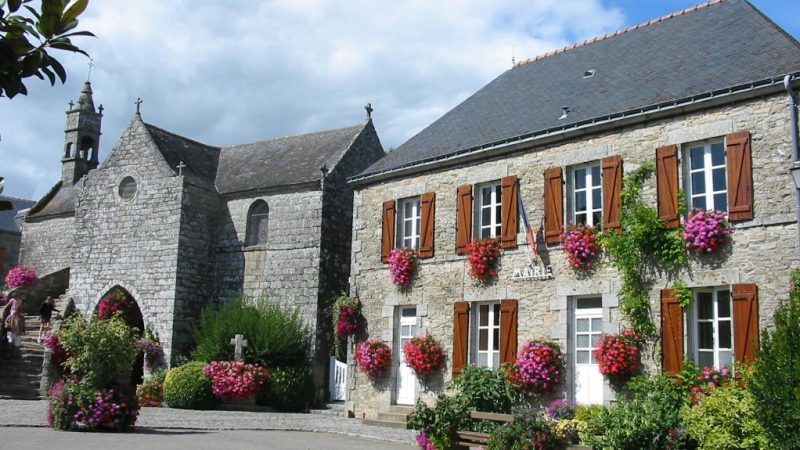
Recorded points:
(538,272)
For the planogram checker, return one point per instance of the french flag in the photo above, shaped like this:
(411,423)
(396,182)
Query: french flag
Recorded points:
(529,234)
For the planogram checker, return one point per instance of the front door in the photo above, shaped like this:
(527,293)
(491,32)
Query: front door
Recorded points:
(587,328)
(406,380)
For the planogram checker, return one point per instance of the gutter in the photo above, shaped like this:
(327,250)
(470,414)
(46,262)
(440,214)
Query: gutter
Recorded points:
(553,135)
(794,169)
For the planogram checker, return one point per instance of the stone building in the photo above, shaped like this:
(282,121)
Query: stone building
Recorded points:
(699,92)
(10,234)
(177,223)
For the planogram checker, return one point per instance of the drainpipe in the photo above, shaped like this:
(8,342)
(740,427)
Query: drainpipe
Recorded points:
(795,168)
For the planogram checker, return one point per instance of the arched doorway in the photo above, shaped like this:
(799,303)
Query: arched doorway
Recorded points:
(119,299)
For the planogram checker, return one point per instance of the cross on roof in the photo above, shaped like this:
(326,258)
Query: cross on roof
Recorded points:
(71,104)
(91,64)
(369,109)
(138,104)
(181,166)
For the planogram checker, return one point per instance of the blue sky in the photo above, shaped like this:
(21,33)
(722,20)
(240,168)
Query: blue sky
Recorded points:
(222,73)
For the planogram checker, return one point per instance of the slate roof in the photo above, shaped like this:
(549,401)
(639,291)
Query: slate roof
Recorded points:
(59,200)
(283,161)
(716,45)
(7,222)
(200,160)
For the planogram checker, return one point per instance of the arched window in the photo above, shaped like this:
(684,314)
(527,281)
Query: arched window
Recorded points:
(68,151)
(87,144)
(257,223)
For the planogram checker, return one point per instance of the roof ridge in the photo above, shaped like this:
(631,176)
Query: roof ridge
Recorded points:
(149,125)
(618,32)
(288,136)
(11,197)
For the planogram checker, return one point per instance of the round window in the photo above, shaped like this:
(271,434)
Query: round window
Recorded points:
(127,188)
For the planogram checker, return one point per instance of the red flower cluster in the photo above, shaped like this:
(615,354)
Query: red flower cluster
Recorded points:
(538,367)
(424,355)
(618,356)
(58,355)
(374,358)
(350,321)
(710,379)
(484,258)
(114,301)
(580,244)
(236,379)
(21,276)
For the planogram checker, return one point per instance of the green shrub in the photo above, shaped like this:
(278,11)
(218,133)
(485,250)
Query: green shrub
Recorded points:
(725,419)
(187,387)
(101,350)
(775,381)
(276,335)
(529,430)
(290,388)
(441,422)
(649,418)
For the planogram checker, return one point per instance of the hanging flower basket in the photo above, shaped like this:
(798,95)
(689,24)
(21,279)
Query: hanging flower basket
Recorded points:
(483,259)
(116,300)
(424,355)
(349,319)
(374,358)
(236,380)
(402,267)
(704,231)
(618,356)
(153,351)
(21,276)
(580,244)
(539,367)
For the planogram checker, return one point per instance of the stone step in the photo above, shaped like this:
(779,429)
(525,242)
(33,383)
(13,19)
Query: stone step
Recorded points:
(393,417)
(401,409)
(385,423)
(331,409)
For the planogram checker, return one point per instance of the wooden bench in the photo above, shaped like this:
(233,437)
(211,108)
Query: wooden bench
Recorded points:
(467,439)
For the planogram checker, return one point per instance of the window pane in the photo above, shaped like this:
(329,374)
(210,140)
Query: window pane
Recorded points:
(582,325)
(497,213)
(483,359)
(496,360)
(486,216)
(582,341)
(496,341)
(717,154)
(704,306)
(590,303)
(595,339)
(580,201)
(699,202)
(487,196)
(705,359)
(580,178)
(698,183)
(497,314)
(498,194)
(597,217)
(407,210)
(580,218)
(583,357)
(725,334)
(723,304)
(595,175)
(725,359)
(705,330)
(407,228)
(718,176)
(597,325)
(409,312)
(483,339)
(696,156)
(484,315)
(596,200)
(486,233)
(497,231)
(721,202)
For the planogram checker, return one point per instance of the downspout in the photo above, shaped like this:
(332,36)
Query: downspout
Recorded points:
(787,83)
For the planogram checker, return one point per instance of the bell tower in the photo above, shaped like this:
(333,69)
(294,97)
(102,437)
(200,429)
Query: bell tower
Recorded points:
(81,138)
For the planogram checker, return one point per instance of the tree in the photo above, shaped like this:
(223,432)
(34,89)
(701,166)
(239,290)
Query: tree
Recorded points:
(24,41)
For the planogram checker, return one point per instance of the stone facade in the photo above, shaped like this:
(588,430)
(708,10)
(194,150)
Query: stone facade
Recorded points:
(47,244)
(762,251)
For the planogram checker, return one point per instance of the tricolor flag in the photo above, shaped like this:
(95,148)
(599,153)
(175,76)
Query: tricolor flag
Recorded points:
(529,233)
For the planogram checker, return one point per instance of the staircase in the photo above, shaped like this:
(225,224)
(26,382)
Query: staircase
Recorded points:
(396,417)
(20,378)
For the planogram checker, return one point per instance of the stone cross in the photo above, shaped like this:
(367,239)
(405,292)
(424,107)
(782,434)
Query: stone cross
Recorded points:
(181,166)
(138,104)
(71,105)
(91,64)
(239,343)
(369,109)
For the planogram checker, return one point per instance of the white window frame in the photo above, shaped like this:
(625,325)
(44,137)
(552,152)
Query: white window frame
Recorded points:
(413,219)
(495,206)
(708,174)
(589,189)
(715,321)
(492,355)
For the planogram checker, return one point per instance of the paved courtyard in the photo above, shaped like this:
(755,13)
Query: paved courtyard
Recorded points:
(176,428)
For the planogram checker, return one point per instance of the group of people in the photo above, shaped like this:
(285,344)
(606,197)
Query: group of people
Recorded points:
(12,323)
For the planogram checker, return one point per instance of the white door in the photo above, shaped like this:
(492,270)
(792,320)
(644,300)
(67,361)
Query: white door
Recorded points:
(588,326)
(406,380)
(337,383)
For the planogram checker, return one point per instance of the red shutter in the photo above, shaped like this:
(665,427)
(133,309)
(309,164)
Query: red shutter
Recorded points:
(463,218)
(510,211)
(428,224)
(667,182)
(387,235)
(612,191)
(460,336)
(508,331)
(740,176)
(553,205)
(745,322)
(671,332)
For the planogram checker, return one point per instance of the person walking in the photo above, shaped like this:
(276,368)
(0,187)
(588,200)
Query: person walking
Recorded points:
(15,324)
(45,315)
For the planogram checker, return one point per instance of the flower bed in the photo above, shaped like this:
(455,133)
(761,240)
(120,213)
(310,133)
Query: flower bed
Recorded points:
(580,244)
(424,355)
(618,356)
(483,259)
(704,231)
(402,267)
(75,405)
(539,367)
(373,358)
(21,276)
(236,380)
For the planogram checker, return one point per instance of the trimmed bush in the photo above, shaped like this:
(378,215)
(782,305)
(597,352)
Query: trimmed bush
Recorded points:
(276,335)
(187,387)
(290,388)
(725,419)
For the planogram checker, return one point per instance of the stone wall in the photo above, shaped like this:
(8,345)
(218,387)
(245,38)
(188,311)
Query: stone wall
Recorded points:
(763,250)
(47,243)
(9,252)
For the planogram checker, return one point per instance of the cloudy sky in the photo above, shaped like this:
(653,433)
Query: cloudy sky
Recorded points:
(226,72)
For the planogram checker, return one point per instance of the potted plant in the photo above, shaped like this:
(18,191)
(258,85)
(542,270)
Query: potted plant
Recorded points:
(618,356)
(580,245)
(374,358)
(402,267)
(484,259)
(704,231)
(424,355)
(539,367)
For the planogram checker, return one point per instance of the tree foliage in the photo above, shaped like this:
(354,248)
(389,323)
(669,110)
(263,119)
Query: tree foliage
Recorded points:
(26,38)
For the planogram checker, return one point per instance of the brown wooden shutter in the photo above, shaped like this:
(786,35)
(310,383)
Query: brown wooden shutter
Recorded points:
(463,218)
(387,235)
(667,182)
(428,225)
(740,176)
(509,225)
(671,332)
(612,192)
(460,336)
(508,331)
(553,205)
(745,322)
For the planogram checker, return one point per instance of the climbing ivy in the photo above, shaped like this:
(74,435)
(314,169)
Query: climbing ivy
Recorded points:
(683,292)
(644,247)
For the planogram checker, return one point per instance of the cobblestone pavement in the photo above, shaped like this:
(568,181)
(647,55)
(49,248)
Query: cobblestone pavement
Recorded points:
(31,413)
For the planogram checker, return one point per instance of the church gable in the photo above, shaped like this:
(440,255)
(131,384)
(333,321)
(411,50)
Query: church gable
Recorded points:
(135,148)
